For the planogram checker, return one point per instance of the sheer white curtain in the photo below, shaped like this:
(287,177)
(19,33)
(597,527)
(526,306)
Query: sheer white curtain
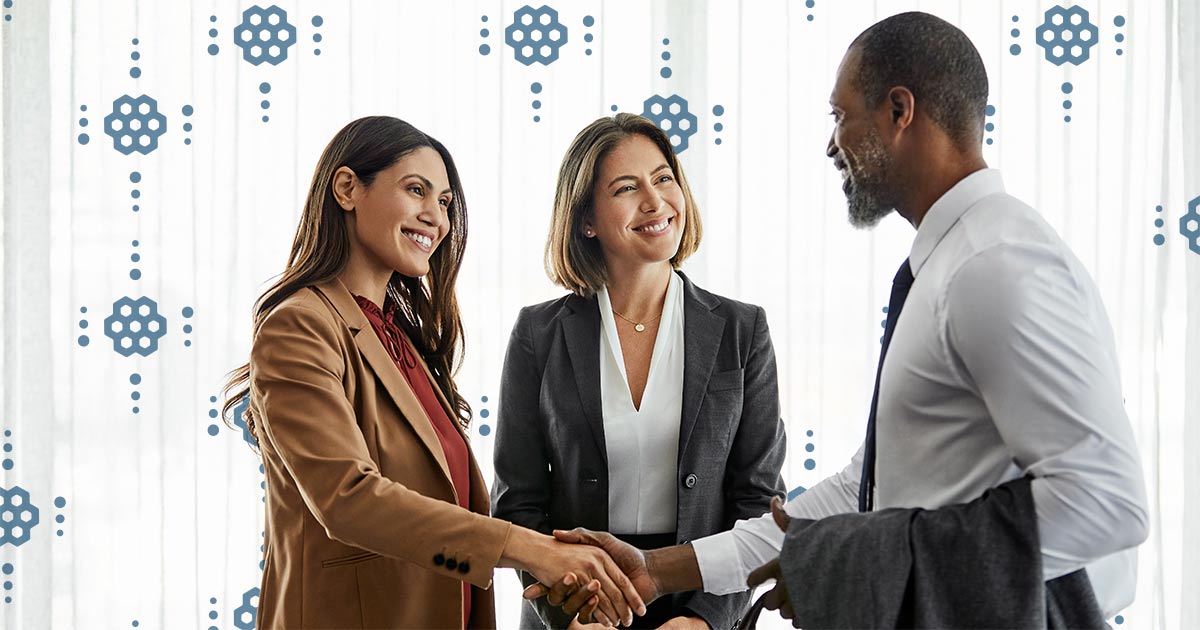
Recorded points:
(162,521)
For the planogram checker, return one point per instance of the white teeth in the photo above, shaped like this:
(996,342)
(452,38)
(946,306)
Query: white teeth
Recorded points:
(420,239)
(658,227)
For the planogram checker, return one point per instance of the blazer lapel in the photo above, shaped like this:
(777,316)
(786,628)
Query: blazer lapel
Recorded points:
(702,332)
(385,369)
(582,330)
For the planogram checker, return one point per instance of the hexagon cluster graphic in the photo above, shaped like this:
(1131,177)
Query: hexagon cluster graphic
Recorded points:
(1067,35)
(17,516)
(535,35)
(239,420)
(135,124)
(135,326)
(1189,225)
(244,616)
(264,35)
(671,115)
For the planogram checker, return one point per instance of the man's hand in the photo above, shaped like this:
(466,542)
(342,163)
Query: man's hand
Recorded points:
(629,559)
(685,623)
(776,598)
(781,517)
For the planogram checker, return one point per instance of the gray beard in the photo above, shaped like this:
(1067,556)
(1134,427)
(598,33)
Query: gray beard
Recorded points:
(867,197)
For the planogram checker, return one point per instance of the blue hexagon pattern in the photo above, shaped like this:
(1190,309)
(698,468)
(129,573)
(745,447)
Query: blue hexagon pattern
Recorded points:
(1189,225)
(135,124)
(535,35)
(18,516)
(264,35)
(671,115)
(135,326)
(239,419)
(246,616)
(1067,35)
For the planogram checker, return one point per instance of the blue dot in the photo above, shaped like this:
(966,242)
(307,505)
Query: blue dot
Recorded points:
(1159,239)
(83,323)
(1120,52)
(1014,49)
(588,20)
(187,342)
(213,429)
(8,569)
(537,104)
(7,585)
(483,399)
(212,18)
(989,141)
(8,4)
(8,448)
(185,141)
(212,413)
(718,141)
(60,502)
(265,104)
(187,328)
(136,395)
(135,274)
(1156,209)
(135,72)
(809,447)
(665,72)
(718,110)
(809,464)
(1120,37)
(1119,620)
(483,18)
(666,56)
(135,55)
(187,126)
(83,122)
(213,600)
(83,340)
(810,18)
(317,20)
(588,52)
(135,379)
(484,49)
(1016,19)
(809,433)
(483,32)
(188,312)
(135,243)
(60,518)
(136,207)
(990,127)
(1067,104)
(536,88)
(483,413)
(7,433)
(1066,119)
(316,37)
(1067,88)
(484,430)
(213,49)
(212,399)
(264,87)
(1119,20)
(8,464)
(718,127)
(83,138)
(1158,223)
(1016,32)
(83,108)
(810,3)
(135,410)
(212,32)
(587,37)
(135,41)
(135,193)
(614,108)
(666,41)
(135,258)
(537,119)
(990,110)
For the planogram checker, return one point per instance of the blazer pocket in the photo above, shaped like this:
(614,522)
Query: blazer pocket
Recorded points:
(731,379)
(362,556)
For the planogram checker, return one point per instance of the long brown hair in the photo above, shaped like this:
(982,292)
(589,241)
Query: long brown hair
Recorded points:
(428,306)
(576,263)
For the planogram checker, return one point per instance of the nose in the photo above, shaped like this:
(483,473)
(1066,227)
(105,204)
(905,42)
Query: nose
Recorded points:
(432,214)
(652,200)
(831,149)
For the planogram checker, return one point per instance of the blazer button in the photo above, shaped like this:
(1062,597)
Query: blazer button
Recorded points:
(690,480)
(439,559)
(464,567)
(451,563)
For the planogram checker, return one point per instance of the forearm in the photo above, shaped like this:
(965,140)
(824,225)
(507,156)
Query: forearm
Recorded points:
(674,569)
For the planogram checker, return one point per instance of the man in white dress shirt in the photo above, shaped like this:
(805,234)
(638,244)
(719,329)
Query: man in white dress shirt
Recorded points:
(1002,363)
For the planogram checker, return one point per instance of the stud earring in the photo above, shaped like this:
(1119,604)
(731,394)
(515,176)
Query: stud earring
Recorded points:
(589,233)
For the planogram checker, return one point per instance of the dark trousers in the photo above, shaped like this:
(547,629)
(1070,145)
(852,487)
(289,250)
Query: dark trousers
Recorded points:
(663,608)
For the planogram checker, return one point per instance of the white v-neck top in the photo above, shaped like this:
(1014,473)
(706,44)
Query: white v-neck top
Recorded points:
(643,444)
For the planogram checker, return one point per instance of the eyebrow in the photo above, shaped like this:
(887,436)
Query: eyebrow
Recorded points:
(428,184)
(624,177)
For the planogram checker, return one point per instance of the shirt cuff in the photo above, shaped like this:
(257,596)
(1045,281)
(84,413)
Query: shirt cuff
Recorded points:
(720,566)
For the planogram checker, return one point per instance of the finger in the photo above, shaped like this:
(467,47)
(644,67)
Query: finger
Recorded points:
(599,616)
(579,598)
(774,599)
(562,589)
(630,593)
(761,574)
(786,611)
(586,614)
(534,591)
(607,607)
(576,536)
(778,513)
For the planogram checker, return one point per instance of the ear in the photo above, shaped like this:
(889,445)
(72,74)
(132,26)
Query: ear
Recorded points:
(344,184)
(589,230)
(901,107)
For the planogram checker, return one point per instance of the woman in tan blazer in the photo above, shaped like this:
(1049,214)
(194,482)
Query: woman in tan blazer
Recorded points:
(376,510)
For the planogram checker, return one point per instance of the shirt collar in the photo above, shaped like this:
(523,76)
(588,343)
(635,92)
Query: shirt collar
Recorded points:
(945,212)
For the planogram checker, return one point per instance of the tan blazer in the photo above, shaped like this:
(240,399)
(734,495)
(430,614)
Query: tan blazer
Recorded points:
(362,527)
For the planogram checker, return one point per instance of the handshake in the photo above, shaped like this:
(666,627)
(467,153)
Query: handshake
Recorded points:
(605,580)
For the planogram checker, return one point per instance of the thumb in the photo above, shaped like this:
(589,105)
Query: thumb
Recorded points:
(778,513)
(535,591)
(574,536)
(760,575)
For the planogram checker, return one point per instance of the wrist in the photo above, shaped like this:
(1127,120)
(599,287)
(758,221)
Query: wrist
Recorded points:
(521,549)
(674,569)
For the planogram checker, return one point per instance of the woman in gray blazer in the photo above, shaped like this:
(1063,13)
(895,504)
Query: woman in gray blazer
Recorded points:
(639,404)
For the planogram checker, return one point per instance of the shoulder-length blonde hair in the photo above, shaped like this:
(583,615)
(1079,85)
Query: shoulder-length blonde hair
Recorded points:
(573,261)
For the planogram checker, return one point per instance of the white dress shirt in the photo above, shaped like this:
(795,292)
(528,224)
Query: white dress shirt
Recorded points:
(1002,364)
(643,444)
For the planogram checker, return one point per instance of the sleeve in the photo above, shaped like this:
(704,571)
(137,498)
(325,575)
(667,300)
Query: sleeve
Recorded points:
(752,469)
(1027,331)
(521,489)
(726,559)
(296,373)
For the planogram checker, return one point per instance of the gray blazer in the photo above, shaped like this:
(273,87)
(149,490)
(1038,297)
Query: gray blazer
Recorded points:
(550,456)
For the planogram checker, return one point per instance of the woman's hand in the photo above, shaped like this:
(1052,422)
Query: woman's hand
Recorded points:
(549,560)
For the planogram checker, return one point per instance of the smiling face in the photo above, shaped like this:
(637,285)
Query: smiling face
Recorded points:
(858,151)
(400,218)
(638,211)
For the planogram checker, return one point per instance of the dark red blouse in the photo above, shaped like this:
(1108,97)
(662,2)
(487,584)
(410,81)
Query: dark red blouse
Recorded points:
(454,446)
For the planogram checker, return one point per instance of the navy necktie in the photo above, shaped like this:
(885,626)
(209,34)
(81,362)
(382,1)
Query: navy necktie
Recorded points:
(900,286)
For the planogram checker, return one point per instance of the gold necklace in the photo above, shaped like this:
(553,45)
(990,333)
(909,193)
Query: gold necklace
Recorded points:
(638,326)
